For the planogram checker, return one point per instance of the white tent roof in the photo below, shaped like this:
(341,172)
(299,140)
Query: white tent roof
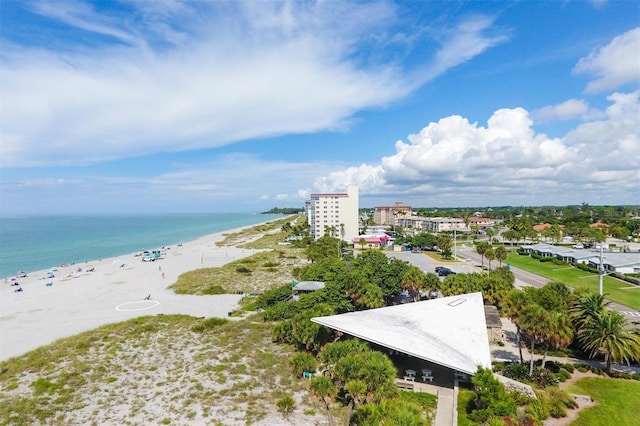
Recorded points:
(449,331)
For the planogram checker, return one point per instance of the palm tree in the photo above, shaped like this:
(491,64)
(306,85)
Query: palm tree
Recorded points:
(513,307)
(559,332)
(481,249)
(356,392)
(490,254)
(610,334)
(413,281)
(587,308)
(501,254)
(323,389)
(535,324)
(490,231)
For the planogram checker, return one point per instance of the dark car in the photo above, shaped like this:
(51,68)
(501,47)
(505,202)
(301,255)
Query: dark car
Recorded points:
(440,268)
(443,272)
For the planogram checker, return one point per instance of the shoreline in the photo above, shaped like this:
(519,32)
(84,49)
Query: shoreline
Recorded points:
(104,237)
(114,291)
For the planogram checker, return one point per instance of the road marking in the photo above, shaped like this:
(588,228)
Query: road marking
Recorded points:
(631,313)
(143,305)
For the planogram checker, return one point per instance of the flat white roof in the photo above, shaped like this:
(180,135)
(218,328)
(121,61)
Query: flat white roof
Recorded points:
(309,285)
(449,331)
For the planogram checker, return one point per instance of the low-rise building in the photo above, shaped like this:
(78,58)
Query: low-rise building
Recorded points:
(370,241)
(444,224)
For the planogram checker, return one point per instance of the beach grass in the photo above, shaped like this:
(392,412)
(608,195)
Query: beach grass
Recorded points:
(260,272)
(242,237)
(617,401)
(147,369)
(616,290)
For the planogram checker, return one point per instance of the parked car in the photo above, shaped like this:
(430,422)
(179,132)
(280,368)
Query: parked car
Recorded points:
(440,268)
(445,271)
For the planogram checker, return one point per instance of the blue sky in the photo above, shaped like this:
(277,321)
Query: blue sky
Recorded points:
(178,106)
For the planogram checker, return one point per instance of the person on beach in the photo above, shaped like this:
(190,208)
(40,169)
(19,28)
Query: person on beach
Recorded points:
(148,297)
(18,289)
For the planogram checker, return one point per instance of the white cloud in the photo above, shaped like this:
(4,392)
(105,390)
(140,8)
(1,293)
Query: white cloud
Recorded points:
(567,110)
(453,162)
(613,65)
(168,82)
(205,185)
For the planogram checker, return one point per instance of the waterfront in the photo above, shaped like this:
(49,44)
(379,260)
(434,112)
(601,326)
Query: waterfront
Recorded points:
(40,242)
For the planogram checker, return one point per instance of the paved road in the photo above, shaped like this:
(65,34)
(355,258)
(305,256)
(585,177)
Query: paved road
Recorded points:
(468,259)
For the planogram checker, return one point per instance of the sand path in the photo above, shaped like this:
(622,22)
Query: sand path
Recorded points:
(113,292)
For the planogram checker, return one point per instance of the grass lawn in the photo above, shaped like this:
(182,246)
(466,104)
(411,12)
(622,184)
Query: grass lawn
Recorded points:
(615,289)
(618,402)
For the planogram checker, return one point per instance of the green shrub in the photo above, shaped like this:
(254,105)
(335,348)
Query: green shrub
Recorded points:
(557,411)
(516,371)
(301,362)
(286,405)
(569,367)
(537,410)
(281,311)
(563,375)
(272,297)
(543,378)
(585,267)
(214,289)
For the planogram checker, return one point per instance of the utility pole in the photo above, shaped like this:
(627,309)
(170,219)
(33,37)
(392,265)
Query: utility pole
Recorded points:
(600,270)
(455,256)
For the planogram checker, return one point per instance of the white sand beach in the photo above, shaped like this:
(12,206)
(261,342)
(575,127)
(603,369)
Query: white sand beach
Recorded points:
(78,300)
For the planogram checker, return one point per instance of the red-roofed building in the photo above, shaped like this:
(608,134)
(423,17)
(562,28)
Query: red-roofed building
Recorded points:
(370,241)
(541,226)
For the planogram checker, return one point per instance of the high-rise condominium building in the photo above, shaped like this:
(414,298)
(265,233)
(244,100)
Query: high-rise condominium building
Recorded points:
(334,214)
(390,215)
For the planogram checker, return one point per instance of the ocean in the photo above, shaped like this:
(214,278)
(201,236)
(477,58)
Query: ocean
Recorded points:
(41,242)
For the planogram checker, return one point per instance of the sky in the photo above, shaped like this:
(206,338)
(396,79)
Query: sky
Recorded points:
(241,106)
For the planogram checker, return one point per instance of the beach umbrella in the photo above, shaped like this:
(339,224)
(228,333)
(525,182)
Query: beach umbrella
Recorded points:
(49,274)
(14,279)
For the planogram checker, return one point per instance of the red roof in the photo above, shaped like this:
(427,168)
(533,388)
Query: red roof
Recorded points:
(371,239)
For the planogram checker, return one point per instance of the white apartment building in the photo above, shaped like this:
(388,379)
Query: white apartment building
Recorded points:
(441,224)
(339,210)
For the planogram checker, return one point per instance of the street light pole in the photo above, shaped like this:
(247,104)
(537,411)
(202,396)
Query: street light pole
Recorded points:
(600,271)
(455,255)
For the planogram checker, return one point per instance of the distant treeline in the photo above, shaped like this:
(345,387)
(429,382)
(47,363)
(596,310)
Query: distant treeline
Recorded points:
(284,210)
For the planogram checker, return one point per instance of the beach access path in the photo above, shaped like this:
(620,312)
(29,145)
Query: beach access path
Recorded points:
(115,290)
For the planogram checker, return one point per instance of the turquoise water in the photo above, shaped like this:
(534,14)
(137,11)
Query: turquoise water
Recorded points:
(41,242)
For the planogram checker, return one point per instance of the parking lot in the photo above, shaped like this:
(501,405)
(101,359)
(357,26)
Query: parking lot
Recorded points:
(427,264)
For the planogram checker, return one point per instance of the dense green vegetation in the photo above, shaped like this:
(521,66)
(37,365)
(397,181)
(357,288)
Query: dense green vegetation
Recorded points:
(284,210)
